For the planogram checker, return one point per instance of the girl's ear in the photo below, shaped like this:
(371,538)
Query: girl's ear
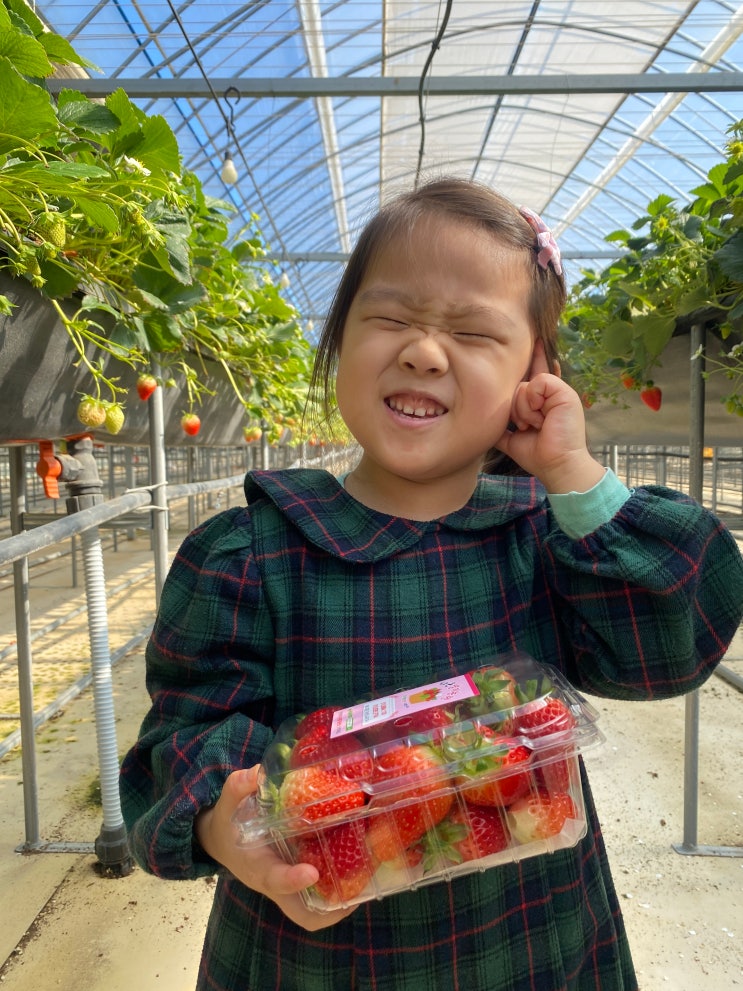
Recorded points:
(540,363)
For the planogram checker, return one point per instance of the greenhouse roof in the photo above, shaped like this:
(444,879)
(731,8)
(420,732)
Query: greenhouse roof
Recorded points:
(584,111)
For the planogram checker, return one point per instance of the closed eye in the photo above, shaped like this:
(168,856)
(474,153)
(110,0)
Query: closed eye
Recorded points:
(473,335)
(390,321)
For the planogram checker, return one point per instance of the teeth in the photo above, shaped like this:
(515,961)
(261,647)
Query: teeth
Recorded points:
(420,411)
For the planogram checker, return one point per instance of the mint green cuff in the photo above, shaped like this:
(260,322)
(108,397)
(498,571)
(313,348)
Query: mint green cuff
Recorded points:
(580,513)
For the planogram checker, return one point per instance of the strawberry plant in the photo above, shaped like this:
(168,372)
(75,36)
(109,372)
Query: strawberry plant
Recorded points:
(95,207)
(680,266)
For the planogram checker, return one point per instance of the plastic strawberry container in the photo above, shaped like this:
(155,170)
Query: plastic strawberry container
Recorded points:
(427,783)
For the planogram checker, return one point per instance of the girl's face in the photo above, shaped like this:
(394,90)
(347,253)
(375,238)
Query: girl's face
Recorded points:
(435,343)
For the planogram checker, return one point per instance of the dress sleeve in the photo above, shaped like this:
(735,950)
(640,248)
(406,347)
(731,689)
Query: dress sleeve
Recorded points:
(579,513)
(210,679)
(651,599)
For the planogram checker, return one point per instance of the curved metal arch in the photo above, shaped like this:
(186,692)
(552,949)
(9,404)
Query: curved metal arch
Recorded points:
(537,23)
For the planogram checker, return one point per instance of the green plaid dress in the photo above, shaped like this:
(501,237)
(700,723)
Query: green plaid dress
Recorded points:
(306,598)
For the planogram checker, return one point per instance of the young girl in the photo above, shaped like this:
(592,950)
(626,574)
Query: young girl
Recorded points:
(441,346)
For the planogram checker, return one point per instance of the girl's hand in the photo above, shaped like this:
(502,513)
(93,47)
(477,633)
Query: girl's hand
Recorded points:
(261,869)
(549,439)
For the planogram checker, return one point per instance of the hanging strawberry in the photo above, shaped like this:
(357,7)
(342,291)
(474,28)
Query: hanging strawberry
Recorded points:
(652,396)
(146,385)
(191,424)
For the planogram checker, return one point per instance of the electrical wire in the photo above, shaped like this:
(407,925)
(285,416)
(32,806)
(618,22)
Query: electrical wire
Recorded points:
(229,126)
(435,45)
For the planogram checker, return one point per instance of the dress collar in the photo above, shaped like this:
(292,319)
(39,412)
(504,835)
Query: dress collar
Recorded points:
(318,505)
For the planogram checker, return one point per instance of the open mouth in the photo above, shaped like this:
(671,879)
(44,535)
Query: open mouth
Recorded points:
(417,408)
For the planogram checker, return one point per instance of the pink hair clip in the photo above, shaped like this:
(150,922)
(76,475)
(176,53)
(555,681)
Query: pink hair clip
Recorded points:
(548,252)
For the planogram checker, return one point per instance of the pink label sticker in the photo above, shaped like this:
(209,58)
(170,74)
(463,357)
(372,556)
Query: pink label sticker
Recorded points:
(381,710)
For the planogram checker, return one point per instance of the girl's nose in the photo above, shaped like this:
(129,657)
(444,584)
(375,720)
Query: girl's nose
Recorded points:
(424,353)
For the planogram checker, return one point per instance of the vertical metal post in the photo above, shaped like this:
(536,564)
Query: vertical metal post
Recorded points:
(25,665)
(696,480)
(661,469)
(158,481)
(191,477)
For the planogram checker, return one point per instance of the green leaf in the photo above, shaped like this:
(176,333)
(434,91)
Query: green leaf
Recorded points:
(97,212)
(655,330)
(730,257)
(716,176)
(25,53)
(61,51)
(158,148)
(53,176)
(617,338)
(77,111)
(163,332)
(26,110)
(24,18)
(169,292)
(621,236)
(120,105)
(61,280)
(659,204)
(693,226)
(129,334)
(692,301)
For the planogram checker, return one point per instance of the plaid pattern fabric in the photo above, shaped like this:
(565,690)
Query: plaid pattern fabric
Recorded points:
(306,597)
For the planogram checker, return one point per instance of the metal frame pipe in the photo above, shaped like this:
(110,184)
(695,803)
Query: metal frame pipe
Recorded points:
(689,845)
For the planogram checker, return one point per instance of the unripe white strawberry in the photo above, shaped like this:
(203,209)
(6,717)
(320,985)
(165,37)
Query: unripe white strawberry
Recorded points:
(91,412)
(50,227)
(114,418)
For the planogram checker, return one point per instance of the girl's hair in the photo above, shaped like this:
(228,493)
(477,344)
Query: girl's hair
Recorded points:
(449,198)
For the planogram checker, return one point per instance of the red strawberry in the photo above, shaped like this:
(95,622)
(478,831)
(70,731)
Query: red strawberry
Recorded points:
(431,722)
(537,720)
(344,753)
(146,385)
(510,764)
(414,775)
(319,717)
(628,381)
(342,859)
(316,792)
(539,815)
(191,424)
(555,775)
(651,396)
(498,691)
(543,717)
(471,833)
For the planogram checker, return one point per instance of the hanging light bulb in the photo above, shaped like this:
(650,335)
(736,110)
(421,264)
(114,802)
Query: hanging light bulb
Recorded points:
(285,281)
(229,172)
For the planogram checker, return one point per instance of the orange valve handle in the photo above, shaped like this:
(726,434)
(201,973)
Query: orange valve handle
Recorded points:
(49,469)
